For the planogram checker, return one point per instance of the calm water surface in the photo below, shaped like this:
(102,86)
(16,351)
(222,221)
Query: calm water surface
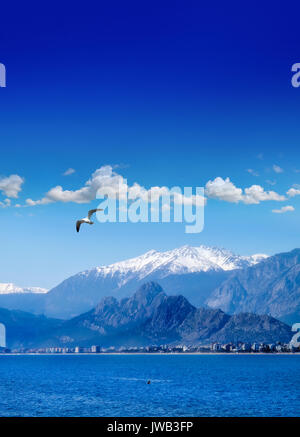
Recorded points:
(182,385)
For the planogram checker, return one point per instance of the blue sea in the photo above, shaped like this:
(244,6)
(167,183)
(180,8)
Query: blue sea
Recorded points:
(181,385)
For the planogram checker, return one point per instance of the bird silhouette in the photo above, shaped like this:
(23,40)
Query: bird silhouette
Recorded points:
(86,219)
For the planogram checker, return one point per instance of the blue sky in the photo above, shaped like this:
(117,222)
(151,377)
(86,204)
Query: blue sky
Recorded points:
(169,93)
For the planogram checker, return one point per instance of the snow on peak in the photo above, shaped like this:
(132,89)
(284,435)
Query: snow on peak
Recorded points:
(257,258)
(185,259)
(9,288)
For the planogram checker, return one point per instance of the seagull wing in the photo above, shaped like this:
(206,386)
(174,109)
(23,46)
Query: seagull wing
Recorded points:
(92,211)
(78,224)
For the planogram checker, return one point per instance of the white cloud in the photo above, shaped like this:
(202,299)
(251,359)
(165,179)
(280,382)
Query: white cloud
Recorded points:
(69,172)
(283,209)
(105,181)
(43,201)
(11,186)
(99,179)
(256,194)
(295,191)
(277,169)
(225,190)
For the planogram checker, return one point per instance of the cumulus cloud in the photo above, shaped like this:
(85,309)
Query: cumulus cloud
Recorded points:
(283,209)
(69,172)
(277,169)
(11,186)
(225,190)
(105,181)
(256,194)
(295,191)
(99,179)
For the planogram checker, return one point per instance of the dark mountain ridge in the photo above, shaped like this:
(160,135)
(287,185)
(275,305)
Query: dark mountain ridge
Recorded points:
(24,329)
(152,317)
(148,317)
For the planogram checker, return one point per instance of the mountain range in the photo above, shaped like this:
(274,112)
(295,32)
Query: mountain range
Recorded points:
(211,277)
(149,316)
(9,288)
(194,272)
(270,287)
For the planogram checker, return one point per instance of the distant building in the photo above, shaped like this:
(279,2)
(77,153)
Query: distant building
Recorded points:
(262,347)
(215,347)
(78,350)
(246,347)
(2,335)
(226,347)
(95,349)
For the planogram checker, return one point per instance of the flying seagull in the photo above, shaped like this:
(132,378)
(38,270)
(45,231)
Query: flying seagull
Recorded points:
(86,219)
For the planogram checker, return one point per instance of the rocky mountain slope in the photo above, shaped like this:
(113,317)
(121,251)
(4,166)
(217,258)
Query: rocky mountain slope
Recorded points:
(152,317)
(270,287)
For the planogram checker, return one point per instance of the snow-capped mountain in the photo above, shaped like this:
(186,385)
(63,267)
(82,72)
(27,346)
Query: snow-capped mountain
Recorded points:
(185,259)
(9,288)
(192,271)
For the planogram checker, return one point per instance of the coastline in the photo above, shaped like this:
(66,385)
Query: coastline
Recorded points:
(154,353)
